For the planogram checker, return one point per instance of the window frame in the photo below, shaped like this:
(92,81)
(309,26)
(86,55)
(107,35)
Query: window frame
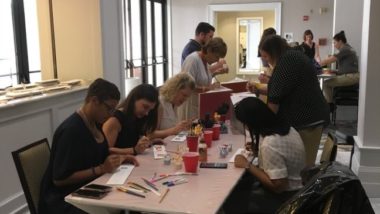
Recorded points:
(129,61)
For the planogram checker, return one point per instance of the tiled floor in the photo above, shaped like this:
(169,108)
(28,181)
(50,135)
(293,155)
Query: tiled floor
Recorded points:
(342,128)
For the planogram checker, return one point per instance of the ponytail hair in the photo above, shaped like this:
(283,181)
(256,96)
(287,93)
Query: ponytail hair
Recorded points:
(340,37)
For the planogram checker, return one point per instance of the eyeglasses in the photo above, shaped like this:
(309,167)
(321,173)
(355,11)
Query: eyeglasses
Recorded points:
(109,108)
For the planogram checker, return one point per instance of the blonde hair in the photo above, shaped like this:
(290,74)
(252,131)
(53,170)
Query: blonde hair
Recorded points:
(178,82)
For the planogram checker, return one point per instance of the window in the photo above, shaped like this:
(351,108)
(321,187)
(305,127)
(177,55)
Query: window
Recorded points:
(145,40)
(19,26)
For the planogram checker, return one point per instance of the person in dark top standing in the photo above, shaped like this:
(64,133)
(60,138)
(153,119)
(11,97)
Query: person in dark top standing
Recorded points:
(80,151)
(135,118)
(310,48)
(348,66)
(294,93)
(203,33)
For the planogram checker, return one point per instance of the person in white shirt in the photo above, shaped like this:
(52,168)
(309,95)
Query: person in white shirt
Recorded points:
(173,93)
(281,157)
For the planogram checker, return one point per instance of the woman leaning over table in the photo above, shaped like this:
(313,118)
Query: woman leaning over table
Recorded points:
(173,93)
(294,93)
(198,65)
(79,151)
(281,157)
(135,118)
(348,71)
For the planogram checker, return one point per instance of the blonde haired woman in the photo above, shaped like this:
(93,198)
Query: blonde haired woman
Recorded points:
(173,93)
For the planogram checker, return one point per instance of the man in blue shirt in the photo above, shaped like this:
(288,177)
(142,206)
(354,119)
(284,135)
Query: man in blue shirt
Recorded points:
(203,33)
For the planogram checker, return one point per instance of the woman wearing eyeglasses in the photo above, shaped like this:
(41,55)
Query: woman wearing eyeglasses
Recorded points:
(80,150)
(198,65)
(135,118)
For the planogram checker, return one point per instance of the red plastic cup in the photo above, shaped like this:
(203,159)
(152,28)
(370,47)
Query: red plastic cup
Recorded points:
(190,160)
(216,132)
(192,143)
(207,136)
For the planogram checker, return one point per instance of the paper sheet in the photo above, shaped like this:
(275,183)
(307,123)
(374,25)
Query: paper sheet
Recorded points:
(120,176)
(180,137)
(159,151)
(237,97)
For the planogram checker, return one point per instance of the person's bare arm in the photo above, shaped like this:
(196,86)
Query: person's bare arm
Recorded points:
(273,107)
(111,129)
(275,185)
(317,56)
(109,165)
(328,61)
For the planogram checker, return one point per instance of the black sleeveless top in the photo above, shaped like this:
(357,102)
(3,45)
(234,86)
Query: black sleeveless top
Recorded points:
(309,51)
(131,130)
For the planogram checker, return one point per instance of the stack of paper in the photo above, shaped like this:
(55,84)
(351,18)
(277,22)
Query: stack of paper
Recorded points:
(120,175)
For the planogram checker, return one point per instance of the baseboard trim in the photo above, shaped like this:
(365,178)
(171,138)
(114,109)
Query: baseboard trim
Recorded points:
(14,204)
(372,189)
(21,210)
(365,164)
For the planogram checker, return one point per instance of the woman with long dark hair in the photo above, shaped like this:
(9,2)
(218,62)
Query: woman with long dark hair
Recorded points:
(281,157)
(294,93)
(135,118)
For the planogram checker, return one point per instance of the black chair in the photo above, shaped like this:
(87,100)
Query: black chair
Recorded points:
(345,96)
(347,140)
(31,162)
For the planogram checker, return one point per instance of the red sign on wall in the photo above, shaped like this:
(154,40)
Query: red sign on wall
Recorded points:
(306,18)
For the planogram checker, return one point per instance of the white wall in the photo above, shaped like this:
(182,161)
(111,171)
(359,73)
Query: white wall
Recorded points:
(23,122)
(366,159)
(187,14)
(349,17)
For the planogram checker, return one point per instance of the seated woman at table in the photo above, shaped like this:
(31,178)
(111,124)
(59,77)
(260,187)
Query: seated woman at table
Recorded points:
(281,157)
(173,93)
(197,65)
(348,71)
(294,93)
(79,151)
(134,119)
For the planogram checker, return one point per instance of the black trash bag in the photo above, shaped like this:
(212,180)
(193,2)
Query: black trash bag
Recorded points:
(334,188)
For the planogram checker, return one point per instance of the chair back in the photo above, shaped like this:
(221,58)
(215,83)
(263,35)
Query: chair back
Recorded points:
(31,162)
(329,149)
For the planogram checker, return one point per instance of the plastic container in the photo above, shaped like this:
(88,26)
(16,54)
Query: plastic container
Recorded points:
(192,143)
(190,160)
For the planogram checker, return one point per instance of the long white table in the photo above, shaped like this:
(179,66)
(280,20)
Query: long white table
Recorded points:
(204,193)
(324,76)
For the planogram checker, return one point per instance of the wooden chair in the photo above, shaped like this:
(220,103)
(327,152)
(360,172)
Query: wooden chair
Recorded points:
(31,162)
(330,148)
